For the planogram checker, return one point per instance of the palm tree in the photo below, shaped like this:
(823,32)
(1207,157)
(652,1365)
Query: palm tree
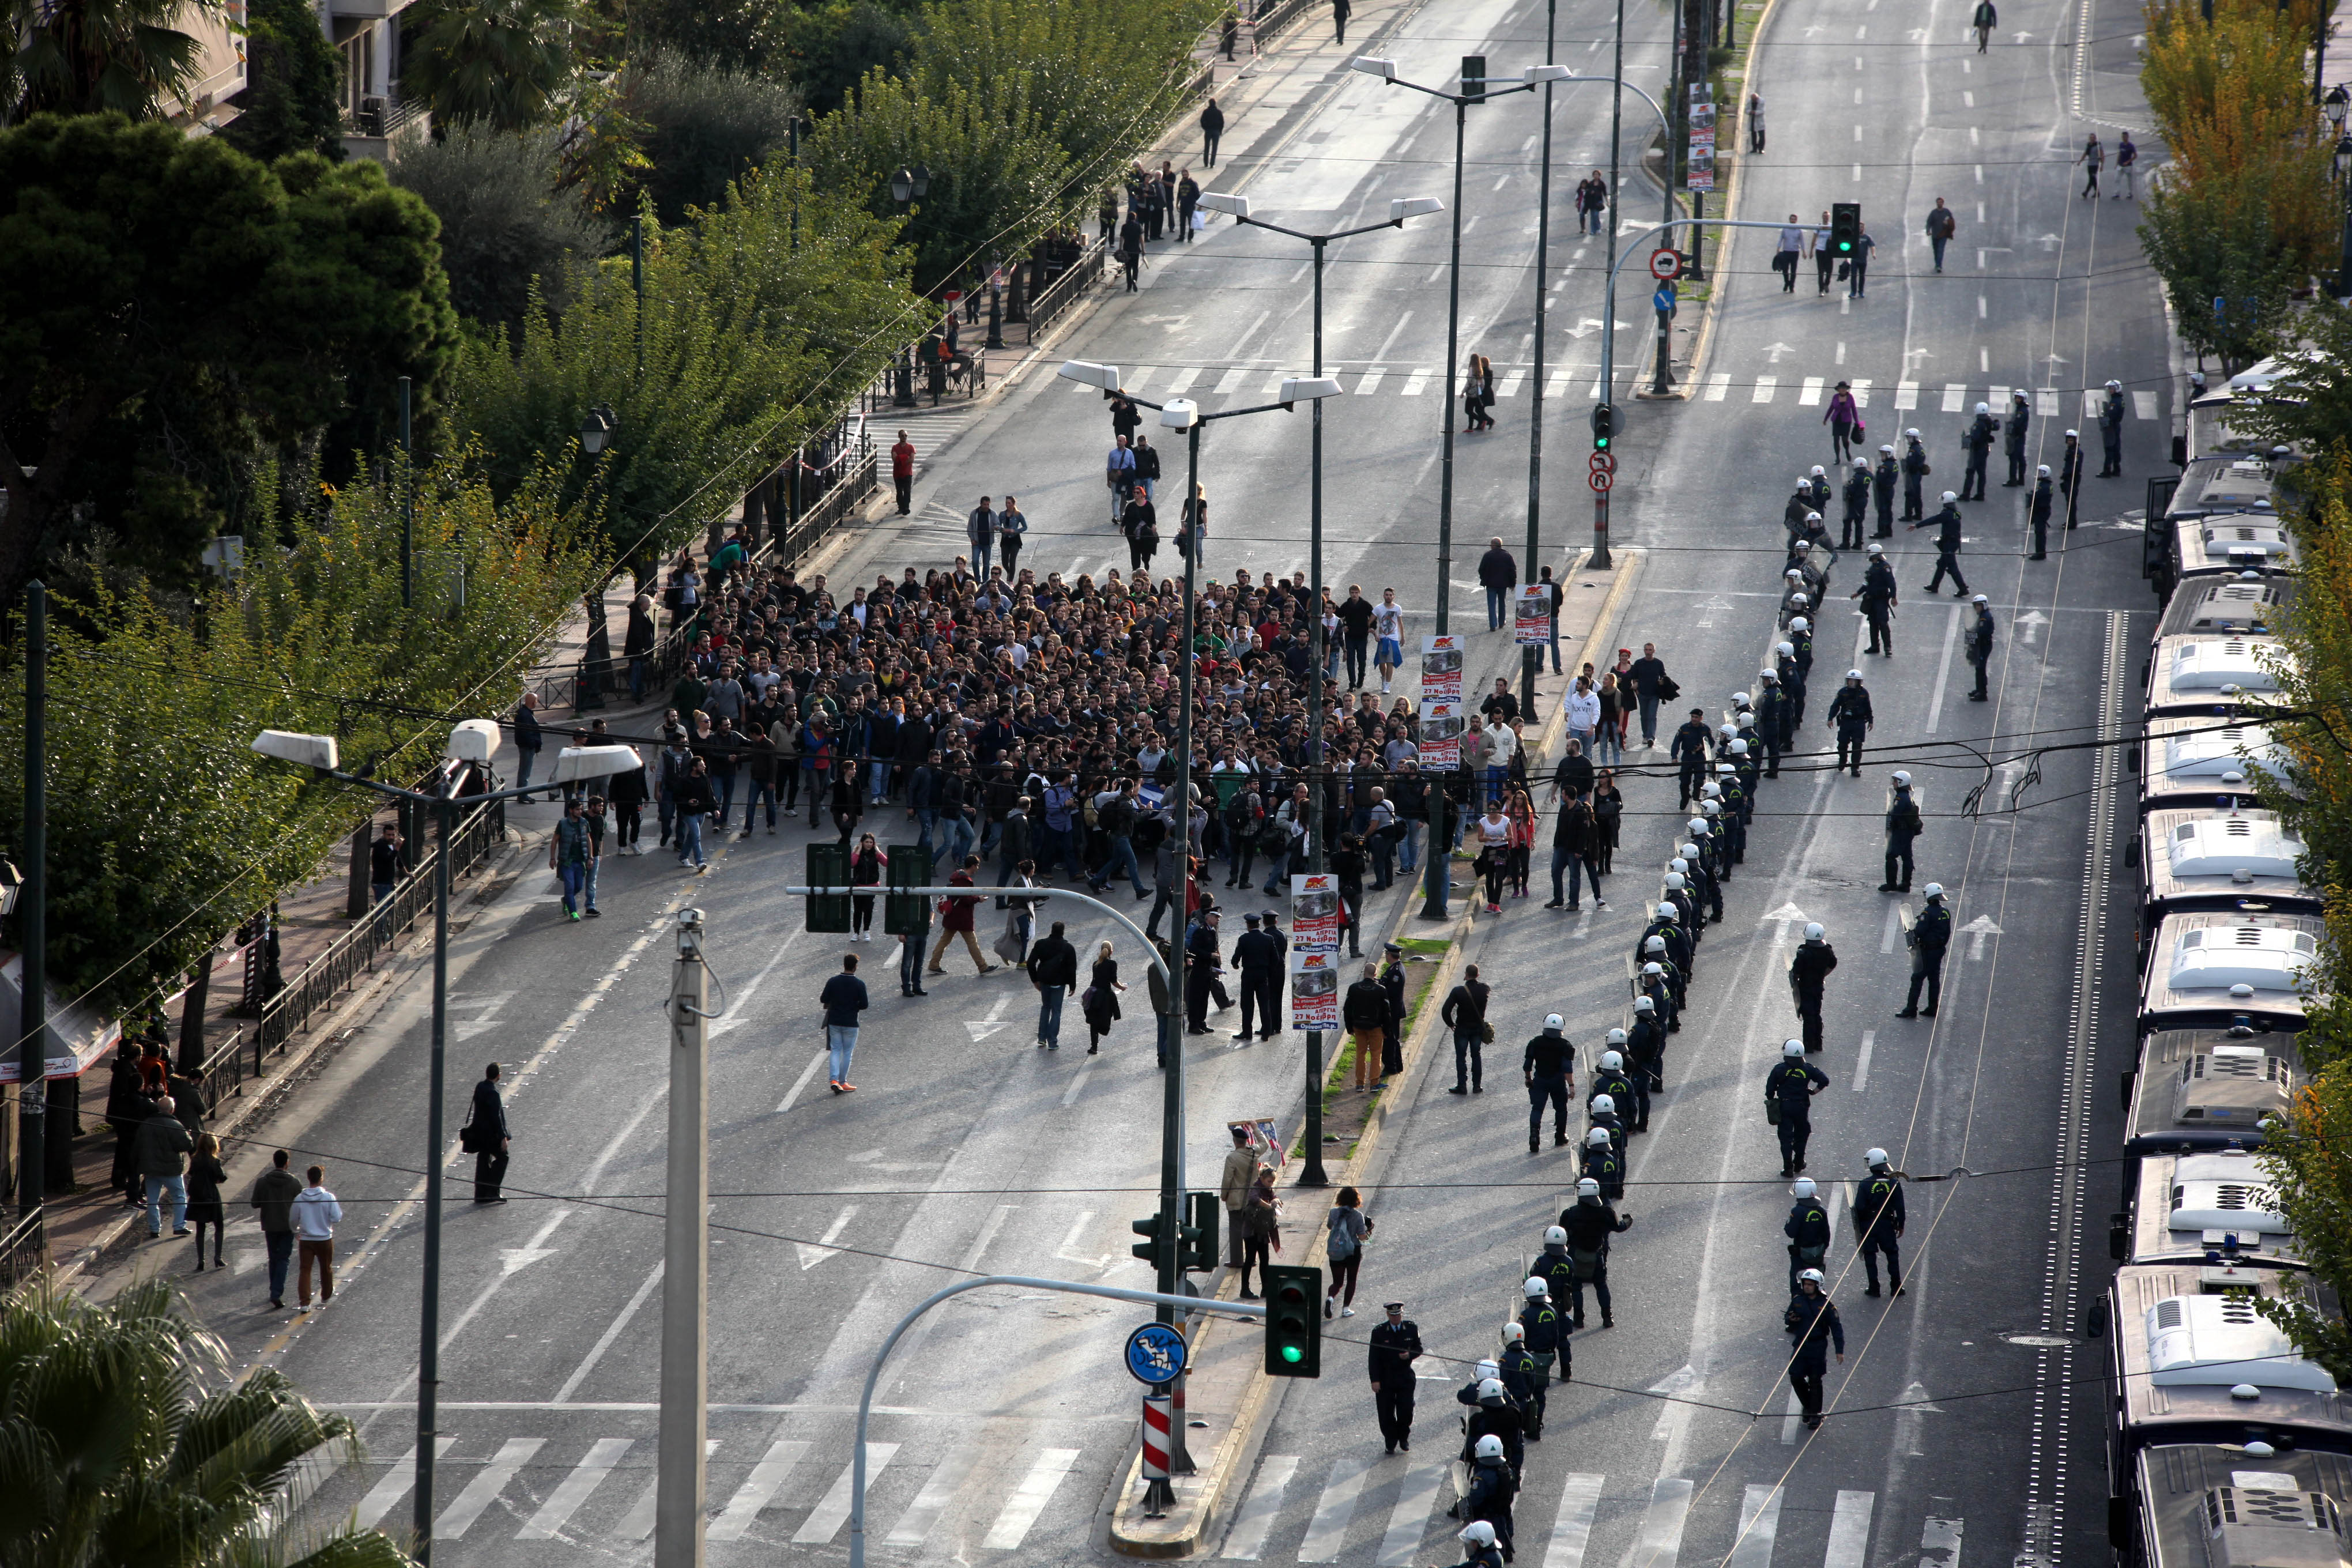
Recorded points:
(86,57)
(122,1441)
(503,61)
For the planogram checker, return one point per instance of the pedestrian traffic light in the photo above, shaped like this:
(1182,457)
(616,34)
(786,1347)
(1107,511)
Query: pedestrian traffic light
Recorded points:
(1604,426)
(1147,1248)
(1196,1241)
(1473,77)
(1294,1326)
(905,914)
(1845,227)
(828,867)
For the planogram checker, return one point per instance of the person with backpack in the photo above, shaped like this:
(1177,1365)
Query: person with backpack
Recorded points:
(1349,1231)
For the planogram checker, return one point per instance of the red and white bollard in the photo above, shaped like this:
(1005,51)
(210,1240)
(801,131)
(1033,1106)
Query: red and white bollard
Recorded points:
(1159,1423)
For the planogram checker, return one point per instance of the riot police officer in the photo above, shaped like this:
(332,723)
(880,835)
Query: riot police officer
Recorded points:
(1978,444)
(1494,1420)
(1586,1226)
(2013,435)
(2070,477)
(1788,1093)
(1902,824)
(1600,1164)
(1792,677)
(1658,985)
(1929,935)
(1603,1115)
(1493,1482)
(1540,1318)
(1771,719)
(1882,492)
(1808,1230)
(2039,513)
(1850,711)
(1478,1548)
(1523,1377)
(1879,597)
(1857,505)
(1980,646)
(1612,1079)
(1800,648)
(1733,803)
(1947,526)
(1914,472)
(1548,1066)
(1744,769)
(1642,1083)
(1645,1043)
(2111,430)
(1708,886)
(1878,1221)
(1809,970)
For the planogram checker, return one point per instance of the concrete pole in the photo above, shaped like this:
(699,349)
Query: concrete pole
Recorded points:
(682,1476)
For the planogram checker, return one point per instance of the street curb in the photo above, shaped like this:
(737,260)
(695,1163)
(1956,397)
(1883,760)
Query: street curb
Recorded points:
(1238,1448)
(120,1237)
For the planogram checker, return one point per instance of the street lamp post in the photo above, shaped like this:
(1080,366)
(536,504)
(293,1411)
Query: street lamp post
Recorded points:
(1238,209)
(1530,656)
(2339,99)
(1183,414)
(907,187)
(32,924)
(472,742)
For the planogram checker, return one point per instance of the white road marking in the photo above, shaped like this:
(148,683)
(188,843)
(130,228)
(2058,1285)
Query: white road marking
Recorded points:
(1078,1081)
(1572,1528)
(1861,390)
(1765,386)
(1893,928)
(1132,381)
(1850,1530)
(638,1523)
(1232,380)
(395,1482)
(758,1489)
(574,1489)
(1718,385)
(810,1256)
(483,1489)
(1184,380)
(1371,384)
(1029,1500)
(733,1017)
(1862,1060)
(1408,1520)
(1943,671)
(2144,407)
(1759,1524)
(1982,307)
(1809,395)
(1906,395)
(1939,1541)
(914,1526)
(588,1363)
(1246,1540)
(808,1074)
(1793,1424)
(1661,1540)
(1328,1530)
(1954,395)
(2045,402)
(1416,383)
(832,1512)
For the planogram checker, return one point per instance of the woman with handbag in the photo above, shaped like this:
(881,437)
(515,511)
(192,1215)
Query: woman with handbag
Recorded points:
(1100,1005)
(1349,1230)
(865,872)
(1522,813)
(1493,852)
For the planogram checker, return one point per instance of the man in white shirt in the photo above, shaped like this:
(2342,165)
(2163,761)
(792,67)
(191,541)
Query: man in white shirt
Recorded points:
(1388,625)
(316,1213)
(1584,712)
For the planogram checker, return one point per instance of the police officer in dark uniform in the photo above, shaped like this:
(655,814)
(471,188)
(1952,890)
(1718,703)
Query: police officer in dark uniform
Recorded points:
(1586,1226)
(1929,935)
(1638,1074)
(2012,436)
(1980,646)
(1808,970)
(1857,505)
(1392,982)
(1878,1221)
(1395,1344)
(1947,527)
(2040,513)
(1602,1111)
(1270,1018)
(2111,430)
(1523,1379)
(1548,1067)
(1201,973)
(1612,1079)
(1881,491)
(1793,513)
(1689,750)
(1558,1271)
(1789,1100)
(1771,718)
(1808,1230)
(1598,1163)
(1850,711)
(1645,1042)
(1256,956)
(1791,679)
(1903,826)
(1539,1324)
(1734,802)
(1915,473)
(2070,477)
(1978,444)
(1879,597)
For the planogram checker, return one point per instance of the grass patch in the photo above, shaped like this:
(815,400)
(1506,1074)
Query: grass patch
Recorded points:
(1346,1110)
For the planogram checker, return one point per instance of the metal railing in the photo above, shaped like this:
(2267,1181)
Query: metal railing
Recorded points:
(24,1250)
(388,115)
(353,953)
(224,1072)
(1075,279)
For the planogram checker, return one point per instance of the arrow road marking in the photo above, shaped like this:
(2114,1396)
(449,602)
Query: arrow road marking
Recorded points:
(489,1002)
(811,1257)
(1786,915)
(1066,1252)
(1979,928)
(1777,350)
(981,1028)
(733,1017)
(1910,1423)
(2029,625)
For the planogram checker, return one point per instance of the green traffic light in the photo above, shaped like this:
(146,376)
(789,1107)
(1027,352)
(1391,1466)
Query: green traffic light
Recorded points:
(1291,1355)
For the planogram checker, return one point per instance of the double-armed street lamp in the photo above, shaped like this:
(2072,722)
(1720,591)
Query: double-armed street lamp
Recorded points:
(1183,414)
(907,186)
(471,743)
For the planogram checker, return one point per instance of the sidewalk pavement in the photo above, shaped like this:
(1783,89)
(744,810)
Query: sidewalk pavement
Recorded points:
(1228,1393)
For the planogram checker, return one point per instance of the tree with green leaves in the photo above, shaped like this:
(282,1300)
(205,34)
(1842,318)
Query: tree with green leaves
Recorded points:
(505,230)
(831,48)
(291,102)
(505,62)
(706,127)
(96,56)
(173,313)
(124,1439)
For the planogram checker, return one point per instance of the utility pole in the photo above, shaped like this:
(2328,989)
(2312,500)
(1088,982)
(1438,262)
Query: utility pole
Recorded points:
(1601,561)
(1530,656)
(32,914)
(428,1318)
(682,1477)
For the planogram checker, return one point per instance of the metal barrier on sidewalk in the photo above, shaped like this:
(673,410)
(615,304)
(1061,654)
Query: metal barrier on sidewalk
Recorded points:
(23,1250)
(224,1072)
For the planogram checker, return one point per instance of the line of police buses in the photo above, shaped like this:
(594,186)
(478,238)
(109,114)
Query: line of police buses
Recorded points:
(2225,1447)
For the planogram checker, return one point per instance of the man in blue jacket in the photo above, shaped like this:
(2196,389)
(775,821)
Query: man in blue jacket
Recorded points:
(843,999)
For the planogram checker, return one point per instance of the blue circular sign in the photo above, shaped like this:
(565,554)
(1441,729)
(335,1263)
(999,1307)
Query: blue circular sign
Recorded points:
(1155,1353)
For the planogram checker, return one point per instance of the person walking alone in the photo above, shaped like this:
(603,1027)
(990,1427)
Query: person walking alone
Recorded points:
(902,472)
(1984,21)
(1212,126)
(204,1181)
(1844,420)
(1465,1014)
(1756,125)
(316,1214)
(1349,1231)
(1812,1319)
(1054,971)
(842,999)
(485,1136)
(274,1193)
(1942,224)
(2126,170)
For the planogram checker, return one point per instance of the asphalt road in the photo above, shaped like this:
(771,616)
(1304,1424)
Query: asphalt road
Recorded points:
(1007,1421)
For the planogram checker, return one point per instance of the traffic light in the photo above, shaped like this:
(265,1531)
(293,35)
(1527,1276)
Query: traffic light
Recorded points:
(1604,426)
(1845,227)
(1473,77)
(1294,1323)
(1196,1242)
(903,914)
(828,867)
(1147,1248)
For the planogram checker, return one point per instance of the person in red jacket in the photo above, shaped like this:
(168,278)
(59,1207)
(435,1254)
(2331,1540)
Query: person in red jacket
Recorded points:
(902,472)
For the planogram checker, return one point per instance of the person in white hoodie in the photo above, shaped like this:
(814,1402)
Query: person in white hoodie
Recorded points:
(316,1214)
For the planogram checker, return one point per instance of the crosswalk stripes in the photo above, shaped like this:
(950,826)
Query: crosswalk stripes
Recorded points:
(914,1526)
(1661,1539)
(1850,1530)
(1809,394)
(1793,1424)
(1232,380)
(1133,380)
(1252,1524)
(832,1512)
(1861,390)
(395,1483)
(1408,1520)
(574,1489)
(1572,1528)
(1555,384)
(2143,405)
(1184,380)
(1029,1500)
(1328,1528)
(1760,1526)
(1939,1541)
(1955,394)
(758,1489)
(1371,384)
(476,1498)
(2045,403)
(1718,385)
(1907,395)
(1416,384)
(638,1523)
(1764,389)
